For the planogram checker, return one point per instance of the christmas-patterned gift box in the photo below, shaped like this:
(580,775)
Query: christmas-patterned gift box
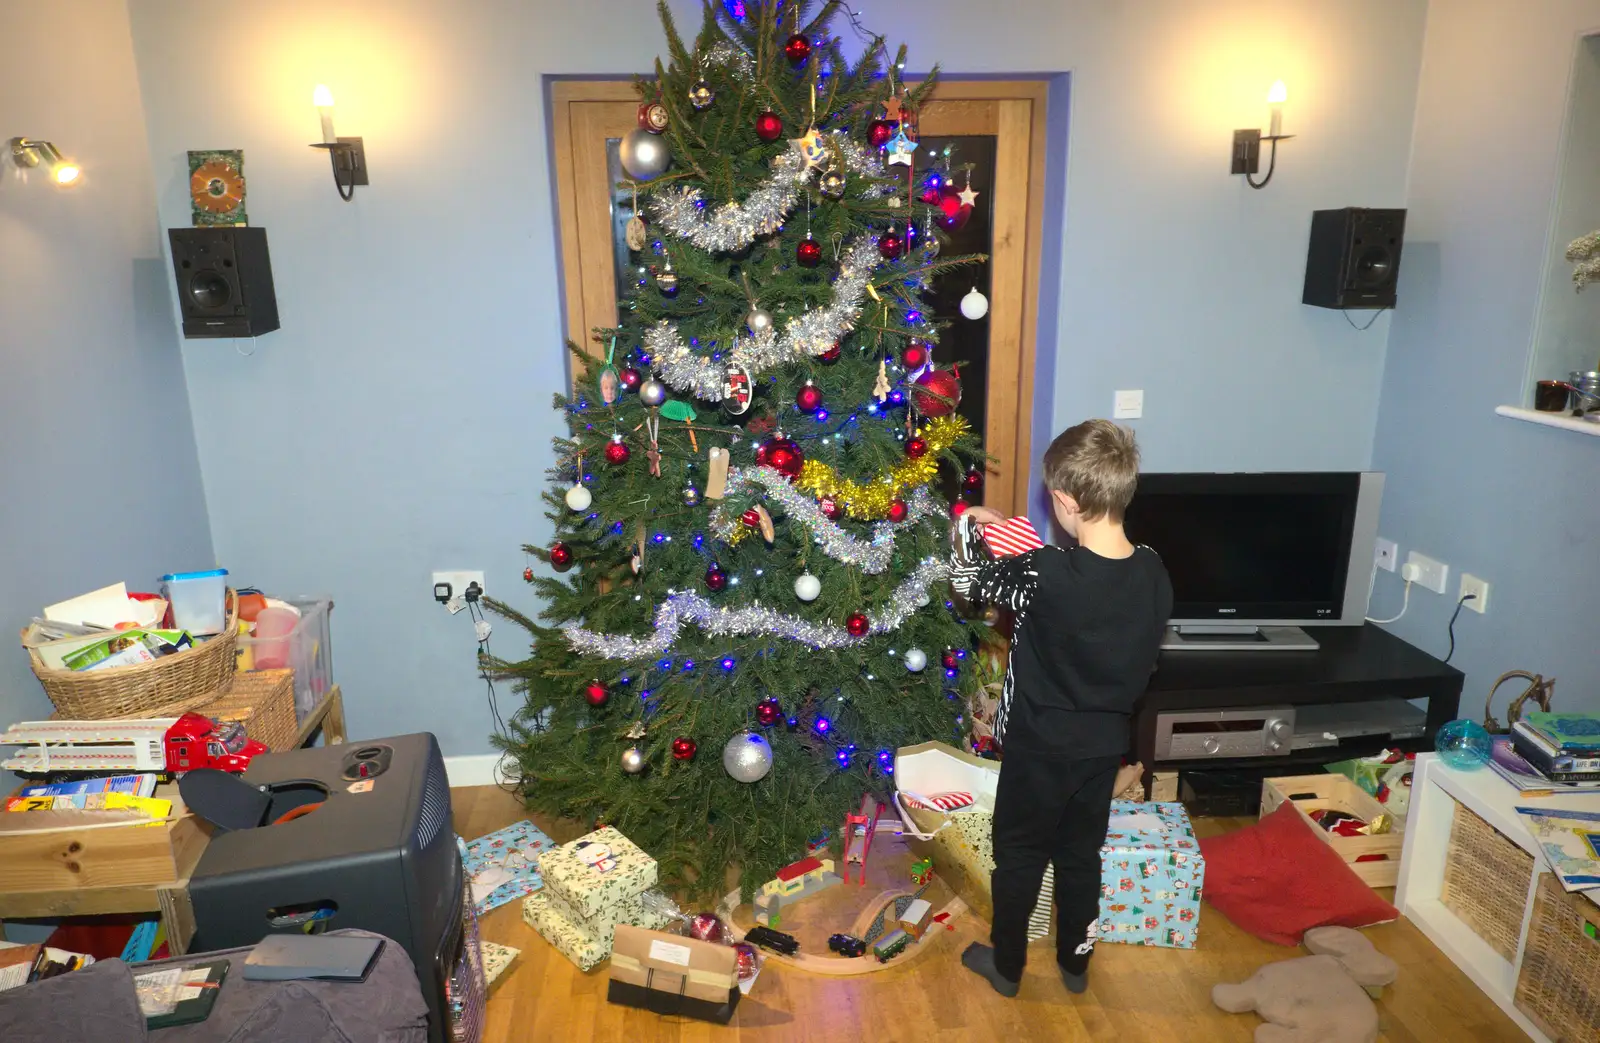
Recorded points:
(585,942)
(1151,873)
(597,873)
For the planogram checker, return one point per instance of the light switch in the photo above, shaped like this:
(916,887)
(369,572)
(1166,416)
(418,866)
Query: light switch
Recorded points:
(1127,405)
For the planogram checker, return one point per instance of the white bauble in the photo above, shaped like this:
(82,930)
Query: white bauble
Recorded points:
(747,757)
(579,498)
(916,660)
(807,587)
(974,305)
(645,156)
(758,321)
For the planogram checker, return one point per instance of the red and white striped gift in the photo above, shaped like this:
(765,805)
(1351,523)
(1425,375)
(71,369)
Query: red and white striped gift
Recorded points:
(1012,537)
(952,801)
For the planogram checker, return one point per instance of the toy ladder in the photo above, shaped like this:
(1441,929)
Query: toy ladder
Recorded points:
(856,848)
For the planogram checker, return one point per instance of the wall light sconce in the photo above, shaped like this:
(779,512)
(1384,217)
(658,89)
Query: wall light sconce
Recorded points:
(28,153)
(1247,142)
(348,156)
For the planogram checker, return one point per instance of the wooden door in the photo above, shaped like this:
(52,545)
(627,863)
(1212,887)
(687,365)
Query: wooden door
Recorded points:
(590,116)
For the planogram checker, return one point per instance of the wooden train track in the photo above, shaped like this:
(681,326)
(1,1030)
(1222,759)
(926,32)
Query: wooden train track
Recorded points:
(836,966)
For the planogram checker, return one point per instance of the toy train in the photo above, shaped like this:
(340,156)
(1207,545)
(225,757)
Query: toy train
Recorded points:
(169,746)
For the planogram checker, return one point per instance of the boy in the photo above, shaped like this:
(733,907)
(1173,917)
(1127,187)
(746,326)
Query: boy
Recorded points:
(1088,626)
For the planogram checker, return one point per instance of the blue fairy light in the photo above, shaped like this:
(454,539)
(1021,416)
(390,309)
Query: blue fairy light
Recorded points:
(897,397)
(616,527)
(843,758)
(822,726)
(872,407)
(728,663)
(664,663)
(644,694)
(688,664)
(644,360)
(792,722)
(821,415)
(699,539)
(952,672)
(913,316)
(961,653)
(694,342)
(659,537)
(588,477)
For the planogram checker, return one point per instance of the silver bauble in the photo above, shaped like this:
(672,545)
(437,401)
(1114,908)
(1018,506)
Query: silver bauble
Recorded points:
(758,321)
(579,498)
(701,95)
(691,496)
(832,183)
(652,392)
(645,156)
(916,660)
(633,760)
(747,757)
(667,282)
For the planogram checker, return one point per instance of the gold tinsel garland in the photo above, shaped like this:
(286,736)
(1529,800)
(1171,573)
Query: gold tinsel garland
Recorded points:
(870,501)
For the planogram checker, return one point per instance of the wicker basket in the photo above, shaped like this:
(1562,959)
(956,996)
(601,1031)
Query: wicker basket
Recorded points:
(183,679)
(1559,987)
(262,701)
(1486,881)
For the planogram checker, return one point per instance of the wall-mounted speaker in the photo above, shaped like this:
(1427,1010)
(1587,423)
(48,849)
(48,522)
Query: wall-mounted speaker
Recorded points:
(224,278)
(1354,260)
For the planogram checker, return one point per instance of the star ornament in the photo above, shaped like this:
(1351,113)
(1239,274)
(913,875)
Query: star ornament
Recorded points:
(812,151)
(901,149)
(968,196)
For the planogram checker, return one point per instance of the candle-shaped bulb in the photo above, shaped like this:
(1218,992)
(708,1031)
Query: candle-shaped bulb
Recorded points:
(1276,96)
(322,98)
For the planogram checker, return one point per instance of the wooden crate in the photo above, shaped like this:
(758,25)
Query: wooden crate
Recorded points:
(1335,792)
(61,850)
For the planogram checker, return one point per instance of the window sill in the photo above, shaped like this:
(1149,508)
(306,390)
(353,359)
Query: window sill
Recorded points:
(1561,420)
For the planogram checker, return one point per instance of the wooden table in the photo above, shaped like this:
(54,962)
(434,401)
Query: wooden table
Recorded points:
(169,899)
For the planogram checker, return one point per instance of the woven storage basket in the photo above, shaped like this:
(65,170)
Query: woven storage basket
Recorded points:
(1559,987)
(262,701)
(190,677)
(1486,881)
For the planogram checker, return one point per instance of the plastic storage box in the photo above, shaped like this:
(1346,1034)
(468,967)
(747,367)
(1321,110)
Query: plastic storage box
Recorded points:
(199,600)
(307,650)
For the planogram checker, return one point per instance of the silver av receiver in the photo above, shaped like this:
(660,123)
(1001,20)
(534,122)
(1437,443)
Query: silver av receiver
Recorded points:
(1259,731)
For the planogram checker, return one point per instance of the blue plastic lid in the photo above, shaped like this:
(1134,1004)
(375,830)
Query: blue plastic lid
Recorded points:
(169,577)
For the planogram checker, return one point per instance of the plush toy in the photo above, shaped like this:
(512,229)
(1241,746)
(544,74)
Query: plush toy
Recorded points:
(1322,998)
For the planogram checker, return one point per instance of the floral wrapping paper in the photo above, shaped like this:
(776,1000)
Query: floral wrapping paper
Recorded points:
(591,888)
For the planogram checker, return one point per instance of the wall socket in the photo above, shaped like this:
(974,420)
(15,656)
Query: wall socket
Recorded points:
(1433,574)
(1471,584)
(458,581)
(1386,554)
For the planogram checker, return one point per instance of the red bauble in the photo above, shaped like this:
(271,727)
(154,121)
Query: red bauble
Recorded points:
(898,510)
(808,253)
(973,481)
(930,195)
(832,354)
(808,399)
(953,213)
(890,245)
(683,749)
(879,132)
(958,508)
(595,693)
(653,117)
(830,508)
(560,556)
(858,624)
(915,355)
(769,711)
(768,126)
(950,660)
(745,960)
(782,455)
(983,746)
(716,579)
(937,393)
(617,452)
(527,573)
(706,927)
(630,378)
(752,518)
(797,48)
(916,449)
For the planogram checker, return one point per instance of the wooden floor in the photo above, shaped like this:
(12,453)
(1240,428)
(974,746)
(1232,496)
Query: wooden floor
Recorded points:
(1135,993)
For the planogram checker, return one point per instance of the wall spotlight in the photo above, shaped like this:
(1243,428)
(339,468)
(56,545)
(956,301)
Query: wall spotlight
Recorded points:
(28,153)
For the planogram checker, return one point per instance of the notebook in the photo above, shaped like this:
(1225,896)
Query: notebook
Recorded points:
(289,957)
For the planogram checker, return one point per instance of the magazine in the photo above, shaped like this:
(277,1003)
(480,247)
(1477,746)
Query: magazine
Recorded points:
(1570,841)
(1528,781)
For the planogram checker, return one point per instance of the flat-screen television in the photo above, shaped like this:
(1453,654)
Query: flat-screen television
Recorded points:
(1256,557)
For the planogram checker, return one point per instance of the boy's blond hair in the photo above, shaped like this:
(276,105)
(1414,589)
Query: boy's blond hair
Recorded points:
(1097,464)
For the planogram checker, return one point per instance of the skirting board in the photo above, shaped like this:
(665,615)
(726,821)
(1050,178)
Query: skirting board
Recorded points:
(478,769)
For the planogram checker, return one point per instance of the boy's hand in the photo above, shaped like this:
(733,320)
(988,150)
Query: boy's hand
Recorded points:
(985,515)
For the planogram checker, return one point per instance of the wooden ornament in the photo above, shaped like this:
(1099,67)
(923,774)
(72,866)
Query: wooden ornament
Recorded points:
(717,478)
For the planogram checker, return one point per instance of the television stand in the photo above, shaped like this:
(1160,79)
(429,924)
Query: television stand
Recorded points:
(1237,637)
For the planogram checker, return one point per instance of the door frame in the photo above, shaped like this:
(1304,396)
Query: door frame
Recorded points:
(585,113)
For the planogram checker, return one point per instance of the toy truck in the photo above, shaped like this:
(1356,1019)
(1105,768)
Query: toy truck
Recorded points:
(170,746)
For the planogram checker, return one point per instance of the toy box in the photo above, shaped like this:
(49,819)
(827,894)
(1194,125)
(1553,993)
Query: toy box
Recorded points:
(1151,875)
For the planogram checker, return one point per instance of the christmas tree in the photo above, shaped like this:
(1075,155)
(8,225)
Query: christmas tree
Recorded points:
(750,612)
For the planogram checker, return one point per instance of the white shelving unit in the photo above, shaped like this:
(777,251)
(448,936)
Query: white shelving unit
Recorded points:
(1435,790)
(1561,420)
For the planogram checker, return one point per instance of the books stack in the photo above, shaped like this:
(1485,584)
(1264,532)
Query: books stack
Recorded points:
(1550,753)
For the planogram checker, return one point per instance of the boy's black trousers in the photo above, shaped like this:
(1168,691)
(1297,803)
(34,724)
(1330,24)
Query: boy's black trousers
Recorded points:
(1049,810)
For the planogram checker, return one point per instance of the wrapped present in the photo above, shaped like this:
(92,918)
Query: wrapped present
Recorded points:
(586,942)
(673,975)
(1151,875)
(598,873)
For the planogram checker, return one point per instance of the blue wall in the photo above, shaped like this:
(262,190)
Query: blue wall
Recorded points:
(399,421)
(97,455)
(1511,502)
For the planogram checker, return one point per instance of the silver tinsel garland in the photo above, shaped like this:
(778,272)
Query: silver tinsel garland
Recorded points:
(871,556)
(726,54)
(725,621)
(811,333)
(733,226)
